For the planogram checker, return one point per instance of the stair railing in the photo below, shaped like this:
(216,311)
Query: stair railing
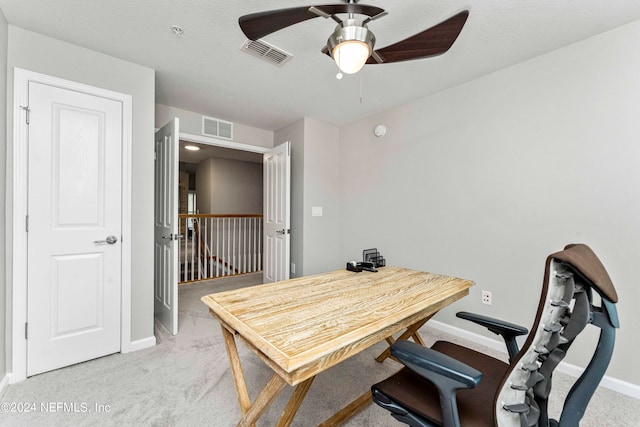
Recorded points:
(219,245)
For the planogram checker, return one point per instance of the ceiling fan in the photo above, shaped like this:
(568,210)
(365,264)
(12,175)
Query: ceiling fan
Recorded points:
(351,44)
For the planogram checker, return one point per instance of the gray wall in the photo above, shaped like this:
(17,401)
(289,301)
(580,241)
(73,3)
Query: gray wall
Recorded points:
(314,183)
(38,53)
(321,189)
(4,36)
(484,180)
(225,186)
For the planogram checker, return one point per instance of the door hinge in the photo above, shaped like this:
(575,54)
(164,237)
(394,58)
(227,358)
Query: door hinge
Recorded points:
(26,223)
(27,110)
(26,330)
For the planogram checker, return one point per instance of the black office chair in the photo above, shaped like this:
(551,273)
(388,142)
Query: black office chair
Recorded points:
(450,385)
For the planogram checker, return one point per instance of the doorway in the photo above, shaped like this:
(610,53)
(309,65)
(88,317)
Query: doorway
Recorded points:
(170,193)
(220,195)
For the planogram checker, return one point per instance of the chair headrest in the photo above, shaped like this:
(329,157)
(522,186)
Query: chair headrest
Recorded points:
(582,258)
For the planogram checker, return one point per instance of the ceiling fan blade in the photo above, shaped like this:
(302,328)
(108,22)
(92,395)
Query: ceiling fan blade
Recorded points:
(434,41)
(258,25)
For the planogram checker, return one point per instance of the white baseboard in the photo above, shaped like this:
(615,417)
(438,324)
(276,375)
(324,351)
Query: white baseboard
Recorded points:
(143,343)
(135,346)
(617,385)
(469,336)
(611,383)
(4,383)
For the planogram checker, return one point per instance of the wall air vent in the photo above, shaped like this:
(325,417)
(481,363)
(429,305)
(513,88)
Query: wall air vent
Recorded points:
(217,128)
(267,52)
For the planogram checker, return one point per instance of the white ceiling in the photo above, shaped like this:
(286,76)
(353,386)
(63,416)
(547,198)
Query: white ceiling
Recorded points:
(204,70)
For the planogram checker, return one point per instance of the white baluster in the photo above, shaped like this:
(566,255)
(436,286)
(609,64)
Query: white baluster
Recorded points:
(217,247)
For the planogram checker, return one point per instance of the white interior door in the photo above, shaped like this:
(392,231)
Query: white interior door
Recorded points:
(74,227)
(166,226)
(277,217)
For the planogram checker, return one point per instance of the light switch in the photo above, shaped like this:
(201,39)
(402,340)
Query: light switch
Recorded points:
(316,211)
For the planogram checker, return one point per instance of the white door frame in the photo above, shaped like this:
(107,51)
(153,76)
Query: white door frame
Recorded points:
(16,225)
(208,140)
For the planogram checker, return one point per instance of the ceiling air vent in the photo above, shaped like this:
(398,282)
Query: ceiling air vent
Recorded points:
(267,52)
(217,128)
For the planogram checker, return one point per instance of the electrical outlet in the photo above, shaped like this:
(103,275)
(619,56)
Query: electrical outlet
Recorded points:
(486,297)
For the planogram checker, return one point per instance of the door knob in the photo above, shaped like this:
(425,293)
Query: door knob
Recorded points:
(173,236)
(110,240)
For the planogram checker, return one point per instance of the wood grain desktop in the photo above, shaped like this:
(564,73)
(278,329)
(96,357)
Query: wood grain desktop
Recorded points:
(301,327)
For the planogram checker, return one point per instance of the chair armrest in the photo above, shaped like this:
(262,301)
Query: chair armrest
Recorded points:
(508,331)
(496,326)
(446,373)
(429,363)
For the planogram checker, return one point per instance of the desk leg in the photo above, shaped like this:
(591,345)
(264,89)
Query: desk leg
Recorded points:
(236,371)
(412,331)
(417,338)
(265,398)
(348,411)
(294,403)
(250,413)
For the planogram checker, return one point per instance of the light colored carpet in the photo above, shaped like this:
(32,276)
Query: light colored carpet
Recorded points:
(185,381)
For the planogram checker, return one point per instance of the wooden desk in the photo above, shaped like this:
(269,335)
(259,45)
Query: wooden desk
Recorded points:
(301,327)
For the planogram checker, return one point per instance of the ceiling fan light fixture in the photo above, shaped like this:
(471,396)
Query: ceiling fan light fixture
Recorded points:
(351,55)
(350,46)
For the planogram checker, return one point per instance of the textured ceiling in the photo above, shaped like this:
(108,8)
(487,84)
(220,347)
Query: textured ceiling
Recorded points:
(204,70)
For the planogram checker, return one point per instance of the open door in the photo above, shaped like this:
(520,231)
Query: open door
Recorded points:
(166,235)
(277,217)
